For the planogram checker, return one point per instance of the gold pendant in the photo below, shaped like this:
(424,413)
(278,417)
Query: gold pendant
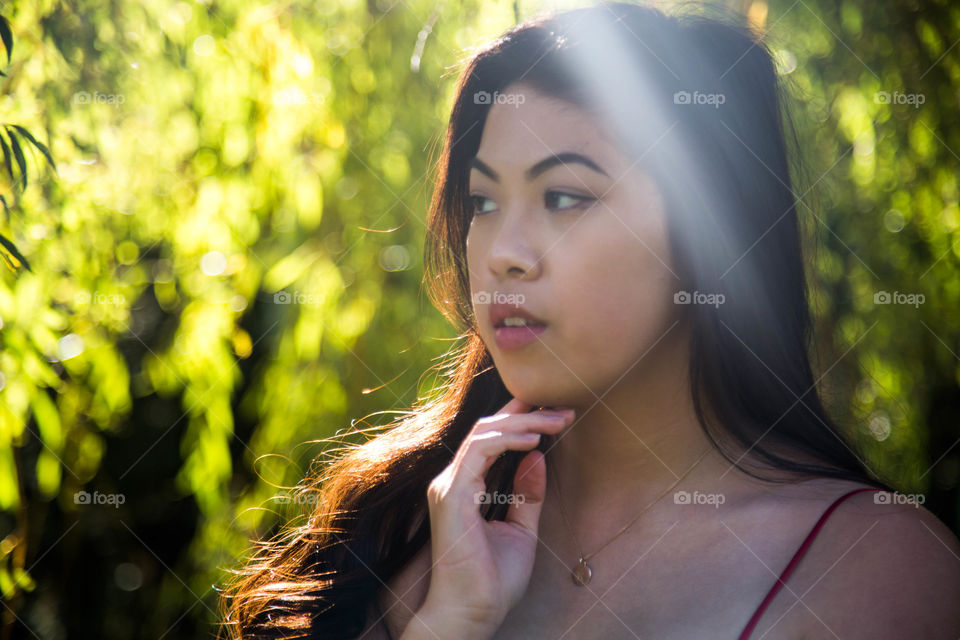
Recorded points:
(582,573)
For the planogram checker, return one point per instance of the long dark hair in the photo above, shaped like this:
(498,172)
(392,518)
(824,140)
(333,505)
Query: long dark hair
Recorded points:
(723,167)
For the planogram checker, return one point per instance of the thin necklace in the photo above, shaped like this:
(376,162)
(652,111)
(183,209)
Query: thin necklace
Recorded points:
(582,573)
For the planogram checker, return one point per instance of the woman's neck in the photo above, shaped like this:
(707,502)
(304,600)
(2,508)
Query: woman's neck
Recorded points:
(632,443)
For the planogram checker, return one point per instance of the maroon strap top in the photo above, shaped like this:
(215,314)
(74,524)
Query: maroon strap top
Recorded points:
(794,562)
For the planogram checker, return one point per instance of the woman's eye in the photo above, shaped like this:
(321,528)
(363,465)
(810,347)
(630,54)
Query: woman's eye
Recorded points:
(478,203)
(560,200)
(553,200)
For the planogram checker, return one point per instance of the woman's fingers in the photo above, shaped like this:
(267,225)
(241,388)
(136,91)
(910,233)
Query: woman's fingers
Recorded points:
(453,492)
(484,441)
(515,416)
(517,441)
(515,406)
(530,481)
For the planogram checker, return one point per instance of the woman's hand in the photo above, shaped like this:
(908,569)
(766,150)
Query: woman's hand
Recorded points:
(481,569)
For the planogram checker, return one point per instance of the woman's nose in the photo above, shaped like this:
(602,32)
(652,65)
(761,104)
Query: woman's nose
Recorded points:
(512,254)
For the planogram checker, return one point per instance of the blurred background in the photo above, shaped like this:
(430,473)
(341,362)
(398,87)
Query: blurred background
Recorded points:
(224,266)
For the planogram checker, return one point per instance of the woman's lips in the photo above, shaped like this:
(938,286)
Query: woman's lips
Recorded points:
(517,337)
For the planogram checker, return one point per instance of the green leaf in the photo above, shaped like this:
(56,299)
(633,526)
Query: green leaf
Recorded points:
(12,249)
(7,585)
(6,159)
(49,473)
(23,579)
(9,491)
(39,145)
(18,154)
(48,419)
(7,37)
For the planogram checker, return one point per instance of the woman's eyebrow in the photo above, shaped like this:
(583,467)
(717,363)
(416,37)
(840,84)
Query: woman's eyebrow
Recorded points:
(567,157)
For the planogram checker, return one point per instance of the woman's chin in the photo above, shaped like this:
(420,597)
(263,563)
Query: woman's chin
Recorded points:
(535,395)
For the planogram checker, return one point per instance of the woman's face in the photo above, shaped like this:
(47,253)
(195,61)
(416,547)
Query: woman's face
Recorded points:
(578,241)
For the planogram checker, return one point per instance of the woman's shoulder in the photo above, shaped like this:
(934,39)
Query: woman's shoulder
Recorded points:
(885,557)
(887,517)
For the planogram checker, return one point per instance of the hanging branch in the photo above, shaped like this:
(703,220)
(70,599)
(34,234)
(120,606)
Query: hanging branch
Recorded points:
(12,147)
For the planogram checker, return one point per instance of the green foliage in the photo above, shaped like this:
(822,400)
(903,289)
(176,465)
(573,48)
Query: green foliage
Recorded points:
(873,87)
(227,267)
(10,144)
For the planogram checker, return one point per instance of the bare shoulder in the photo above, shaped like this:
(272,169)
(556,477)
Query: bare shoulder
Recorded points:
(402,596)
(883,567)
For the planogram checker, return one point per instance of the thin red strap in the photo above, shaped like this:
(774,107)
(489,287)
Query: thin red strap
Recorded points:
(795,561)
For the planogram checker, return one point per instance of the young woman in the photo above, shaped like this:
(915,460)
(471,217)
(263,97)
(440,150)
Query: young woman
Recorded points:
(630,443)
